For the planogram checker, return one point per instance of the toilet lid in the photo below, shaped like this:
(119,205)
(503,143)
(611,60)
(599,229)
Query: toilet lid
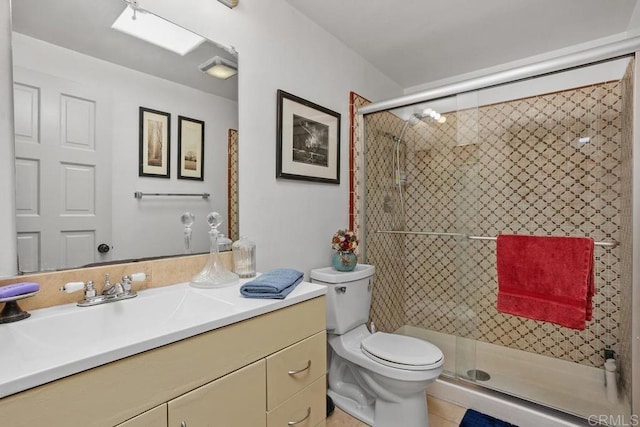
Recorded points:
(402,352)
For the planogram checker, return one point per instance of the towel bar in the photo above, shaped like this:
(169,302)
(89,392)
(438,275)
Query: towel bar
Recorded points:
(435,233)
(139,195)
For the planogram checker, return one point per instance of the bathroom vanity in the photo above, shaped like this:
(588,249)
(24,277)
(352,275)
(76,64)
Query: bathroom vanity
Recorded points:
(211,357)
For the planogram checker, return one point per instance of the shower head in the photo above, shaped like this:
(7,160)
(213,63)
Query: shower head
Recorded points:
(414,119)
(429,112)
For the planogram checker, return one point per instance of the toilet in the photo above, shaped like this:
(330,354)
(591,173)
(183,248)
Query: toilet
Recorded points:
(379,378)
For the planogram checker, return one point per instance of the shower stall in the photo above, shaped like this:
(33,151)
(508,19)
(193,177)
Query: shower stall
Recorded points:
(547,156)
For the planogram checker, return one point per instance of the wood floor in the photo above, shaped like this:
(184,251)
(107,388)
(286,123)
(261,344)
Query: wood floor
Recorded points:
(441,414)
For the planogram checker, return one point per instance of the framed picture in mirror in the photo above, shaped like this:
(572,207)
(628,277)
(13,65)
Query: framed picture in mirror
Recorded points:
(190,148)
(307,140)
(155,143)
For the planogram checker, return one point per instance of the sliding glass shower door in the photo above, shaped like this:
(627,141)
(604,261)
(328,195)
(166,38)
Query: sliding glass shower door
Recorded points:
(538,157)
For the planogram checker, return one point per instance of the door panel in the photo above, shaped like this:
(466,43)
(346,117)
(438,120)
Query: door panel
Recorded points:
(26,104)
(63,172)
(27,186)
(77,189)
(77,118)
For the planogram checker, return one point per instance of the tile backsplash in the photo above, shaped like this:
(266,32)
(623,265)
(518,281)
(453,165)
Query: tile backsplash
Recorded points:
(160,272)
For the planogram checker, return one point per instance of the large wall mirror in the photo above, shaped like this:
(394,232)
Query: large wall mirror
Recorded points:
(89,103)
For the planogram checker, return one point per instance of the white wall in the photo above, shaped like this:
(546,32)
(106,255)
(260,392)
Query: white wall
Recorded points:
(292,222)
(8,252)
(151,226)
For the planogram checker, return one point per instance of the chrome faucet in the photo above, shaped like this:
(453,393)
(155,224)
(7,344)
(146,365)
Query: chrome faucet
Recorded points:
(111,292)
(113,289)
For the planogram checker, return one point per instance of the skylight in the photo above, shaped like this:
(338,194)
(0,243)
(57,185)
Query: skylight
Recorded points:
(153,29)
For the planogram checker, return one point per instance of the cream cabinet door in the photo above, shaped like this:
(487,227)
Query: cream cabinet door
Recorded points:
(156,417)
(235,400)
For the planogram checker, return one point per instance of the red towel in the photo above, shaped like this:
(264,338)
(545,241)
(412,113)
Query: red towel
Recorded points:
(546,278)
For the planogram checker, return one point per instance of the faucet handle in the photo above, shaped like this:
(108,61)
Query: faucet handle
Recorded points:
(135,277)
(89,288)
(138,277)
(72,287)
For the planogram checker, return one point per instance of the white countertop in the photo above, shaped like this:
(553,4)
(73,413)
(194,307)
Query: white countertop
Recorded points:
(63,340)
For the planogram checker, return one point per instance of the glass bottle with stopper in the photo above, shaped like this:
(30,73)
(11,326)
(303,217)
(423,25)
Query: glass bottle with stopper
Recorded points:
(214,274)
(187,219)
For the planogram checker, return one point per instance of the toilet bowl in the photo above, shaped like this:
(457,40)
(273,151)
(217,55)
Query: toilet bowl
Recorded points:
(379,378)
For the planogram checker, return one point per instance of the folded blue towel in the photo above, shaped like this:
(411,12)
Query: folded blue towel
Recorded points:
(275,283)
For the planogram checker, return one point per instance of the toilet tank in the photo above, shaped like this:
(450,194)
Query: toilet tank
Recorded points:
(348,296)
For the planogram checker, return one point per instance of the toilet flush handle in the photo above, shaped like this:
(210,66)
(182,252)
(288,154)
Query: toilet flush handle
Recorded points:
(341,289)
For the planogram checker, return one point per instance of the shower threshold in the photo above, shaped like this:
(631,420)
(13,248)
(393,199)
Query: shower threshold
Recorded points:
(559,384)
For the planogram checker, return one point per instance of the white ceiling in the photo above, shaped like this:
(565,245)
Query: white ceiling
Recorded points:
(85,27)
(415,42)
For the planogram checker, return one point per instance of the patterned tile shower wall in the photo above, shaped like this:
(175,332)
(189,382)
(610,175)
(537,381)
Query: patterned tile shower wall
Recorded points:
(384,251)
(513,167)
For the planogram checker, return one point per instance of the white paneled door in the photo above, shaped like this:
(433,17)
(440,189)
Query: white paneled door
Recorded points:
(63,172)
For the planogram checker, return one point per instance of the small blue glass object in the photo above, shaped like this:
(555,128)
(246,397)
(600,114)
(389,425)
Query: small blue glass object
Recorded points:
(344,260)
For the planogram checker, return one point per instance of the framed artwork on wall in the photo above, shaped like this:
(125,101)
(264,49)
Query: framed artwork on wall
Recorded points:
(190,149)
(307,140)
(155,143)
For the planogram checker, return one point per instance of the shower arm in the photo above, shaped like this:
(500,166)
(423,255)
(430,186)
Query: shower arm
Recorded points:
(466,236)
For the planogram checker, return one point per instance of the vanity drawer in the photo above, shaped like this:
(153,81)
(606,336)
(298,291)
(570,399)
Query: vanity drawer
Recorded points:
(156,417)
(306,409)
(292,369)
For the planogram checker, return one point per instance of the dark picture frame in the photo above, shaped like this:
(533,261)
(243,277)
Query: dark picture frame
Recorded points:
(155,143)
(307,140)
(190,148)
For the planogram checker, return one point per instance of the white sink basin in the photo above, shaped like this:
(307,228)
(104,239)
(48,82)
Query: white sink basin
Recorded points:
(59,341)
(149,314)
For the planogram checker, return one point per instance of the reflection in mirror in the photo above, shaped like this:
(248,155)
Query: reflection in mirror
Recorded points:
(78,89)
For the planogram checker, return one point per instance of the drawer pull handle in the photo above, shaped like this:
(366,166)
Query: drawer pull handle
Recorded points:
(292,423)
(301,370)
(183,424)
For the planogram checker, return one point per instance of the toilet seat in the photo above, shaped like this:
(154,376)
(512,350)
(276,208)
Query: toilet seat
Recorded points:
(403,352)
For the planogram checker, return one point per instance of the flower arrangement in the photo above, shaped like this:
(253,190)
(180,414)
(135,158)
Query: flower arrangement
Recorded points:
(344,240)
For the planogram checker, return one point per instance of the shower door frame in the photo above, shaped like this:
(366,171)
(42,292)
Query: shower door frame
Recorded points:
(628,47)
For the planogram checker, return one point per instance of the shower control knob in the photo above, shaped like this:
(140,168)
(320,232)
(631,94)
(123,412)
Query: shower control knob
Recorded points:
(103,248)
